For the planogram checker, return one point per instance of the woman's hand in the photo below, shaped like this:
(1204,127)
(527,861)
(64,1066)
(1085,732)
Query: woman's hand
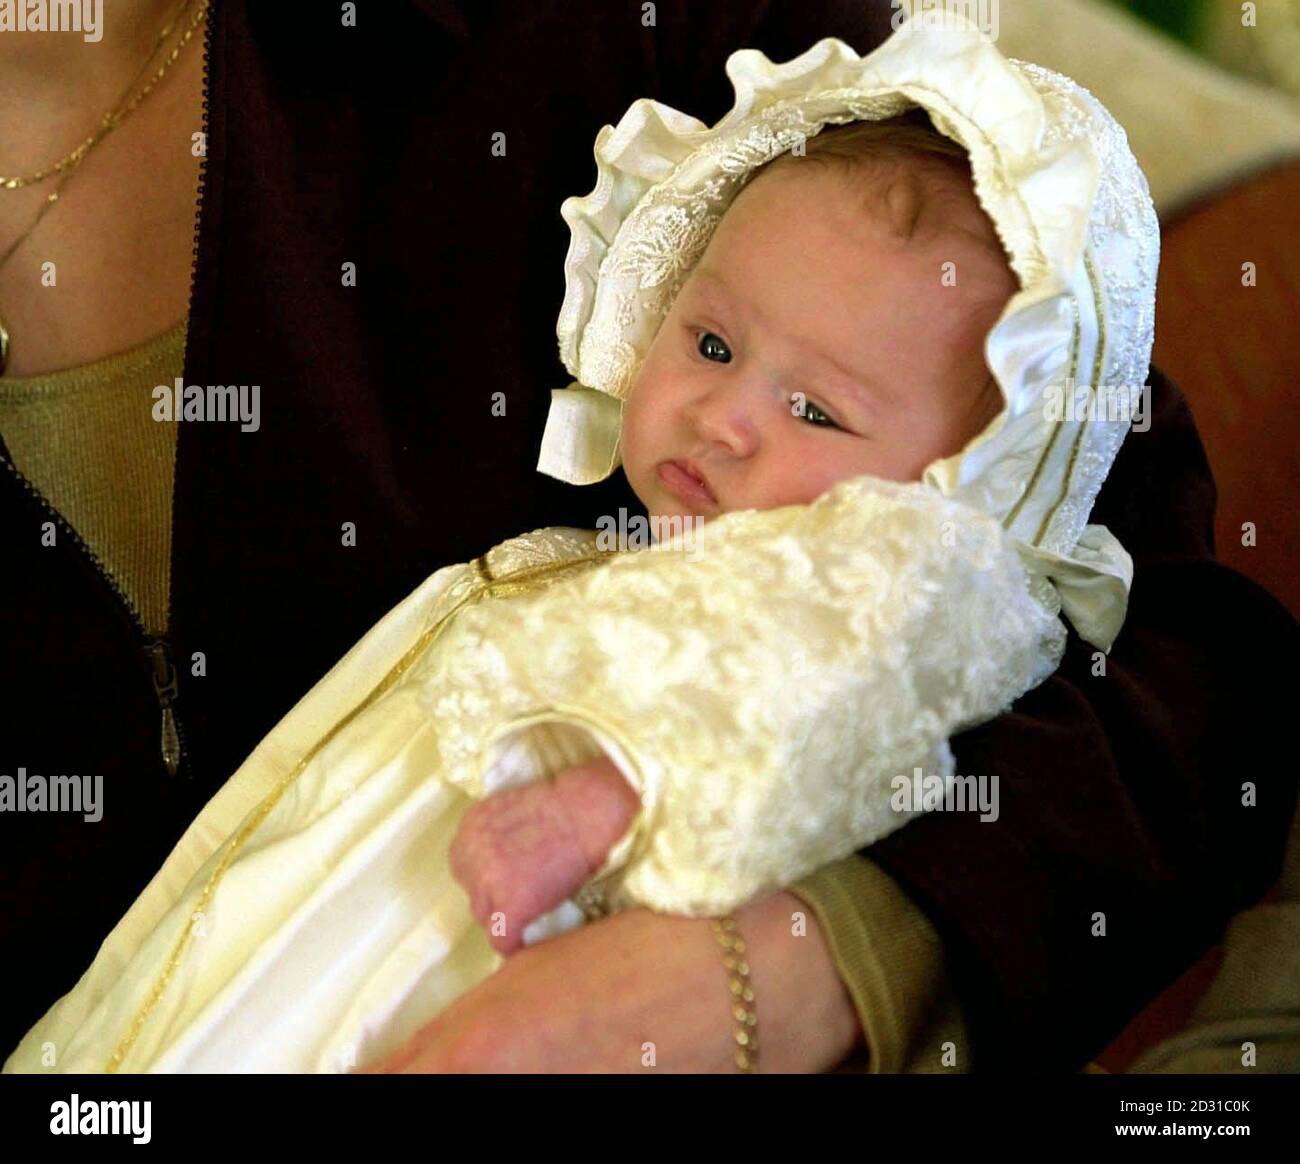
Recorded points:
(645,992)
(521,852)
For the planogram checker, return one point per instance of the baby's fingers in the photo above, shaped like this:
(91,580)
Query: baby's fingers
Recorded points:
(516,856)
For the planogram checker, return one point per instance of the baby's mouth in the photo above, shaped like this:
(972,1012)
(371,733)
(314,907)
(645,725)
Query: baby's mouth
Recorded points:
(684,480)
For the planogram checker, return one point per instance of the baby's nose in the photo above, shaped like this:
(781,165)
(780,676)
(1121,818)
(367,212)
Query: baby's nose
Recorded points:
(729,415)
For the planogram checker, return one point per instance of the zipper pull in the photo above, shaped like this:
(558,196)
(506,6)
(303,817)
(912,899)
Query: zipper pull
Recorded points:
(165,687)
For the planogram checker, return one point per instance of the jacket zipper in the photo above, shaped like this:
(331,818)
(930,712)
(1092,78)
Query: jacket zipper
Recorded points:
(156,649)
(165,682)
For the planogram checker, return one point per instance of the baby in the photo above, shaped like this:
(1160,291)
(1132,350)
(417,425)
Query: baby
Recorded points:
(773,377)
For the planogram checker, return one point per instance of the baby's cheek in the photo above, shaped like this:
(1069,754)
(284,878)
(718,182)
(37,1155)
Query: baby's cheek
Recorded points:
(633,426)
(644,441)
(808,469)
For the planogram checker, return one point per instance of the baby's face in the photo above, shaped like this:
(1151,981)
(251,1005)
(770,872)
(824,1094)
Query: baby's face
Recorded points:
(804,290)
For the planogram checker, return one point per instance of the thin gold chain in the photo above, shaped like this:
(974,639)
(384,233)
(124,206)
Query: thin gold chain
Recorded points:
(66,167)
(46,206)
(127,104)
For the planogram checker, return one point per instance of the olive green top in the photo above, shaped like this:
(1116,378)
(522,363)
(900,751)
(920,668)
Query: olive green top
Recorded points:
(86,439)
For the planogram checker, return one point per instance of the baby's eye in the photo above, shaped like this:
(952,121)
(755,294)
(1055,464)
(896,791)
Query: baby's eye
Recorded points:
(812,414)
(713,347)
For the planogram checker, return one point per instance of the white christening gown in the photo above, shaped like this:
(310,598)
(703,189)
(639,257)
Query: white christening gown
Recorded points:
(760,692)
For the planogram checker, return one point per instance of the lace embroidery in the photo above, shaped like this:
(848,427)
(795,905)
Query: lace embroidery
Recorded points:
(767,690)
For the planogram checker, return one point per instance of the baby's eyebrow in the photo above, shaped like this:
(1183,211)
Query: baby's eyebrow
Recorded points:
(708,281)
(862,388)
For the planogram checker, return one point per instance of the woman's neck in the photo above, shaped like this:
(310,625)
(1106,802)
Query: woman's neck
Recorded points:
(56,85)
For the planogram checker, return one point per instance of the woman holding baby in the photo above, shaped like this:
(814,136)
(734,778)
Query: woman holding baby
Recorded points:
(202,579)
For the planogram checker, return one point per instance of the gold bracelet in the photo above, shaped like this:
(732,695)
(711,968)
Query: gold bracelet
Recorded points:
(742,993)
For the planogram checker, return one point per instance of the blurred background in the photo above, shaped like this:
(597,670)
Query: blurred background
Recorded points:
(1214,28)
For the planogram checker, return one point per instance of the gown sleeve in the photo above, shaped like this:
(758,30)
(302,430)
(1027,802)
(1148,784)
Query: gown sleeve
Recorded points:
(761,688)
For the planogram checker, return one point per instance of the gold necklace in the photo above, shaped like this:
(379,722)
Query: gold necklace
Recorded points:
(130,100)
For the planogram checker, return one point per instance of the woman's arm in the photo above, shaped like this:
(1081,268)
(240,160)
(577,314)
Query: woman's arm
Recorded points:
(646,993)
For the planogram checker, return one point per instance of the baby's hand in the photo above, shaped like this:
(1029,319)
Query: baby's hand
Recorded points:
(521,852)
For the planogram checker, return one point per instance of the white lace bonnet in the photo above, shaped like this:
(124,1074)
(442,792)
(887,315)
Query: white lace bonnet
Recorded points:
(1055,174)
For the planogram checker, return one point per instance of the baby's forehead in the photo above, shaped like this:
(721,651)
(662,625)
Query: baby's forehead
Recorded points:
(915,198)
(912,197)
